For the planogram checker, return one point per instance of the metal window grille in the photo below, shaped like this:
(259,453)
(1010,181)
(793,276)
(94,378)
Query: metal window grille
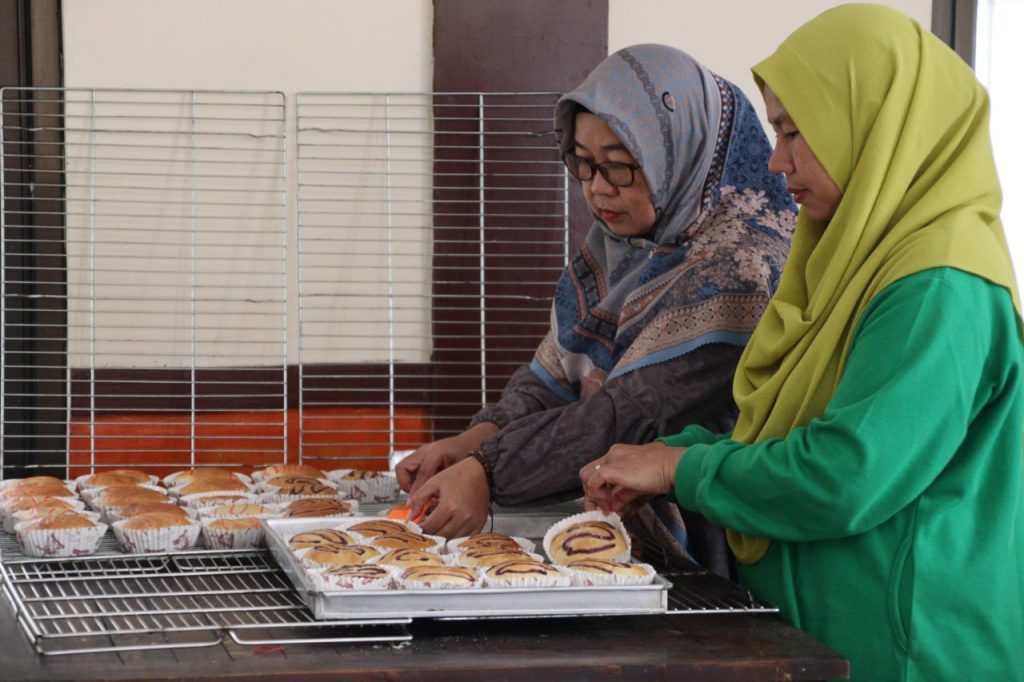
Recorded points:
(144,278)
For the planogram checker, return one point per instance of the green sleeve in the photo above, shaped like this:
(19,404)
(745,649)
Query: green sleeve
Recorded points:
(896,419)
(693,435)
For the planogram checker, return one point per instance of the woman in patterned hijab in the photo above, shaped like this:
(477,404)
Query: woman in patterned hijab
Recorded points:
(689,236)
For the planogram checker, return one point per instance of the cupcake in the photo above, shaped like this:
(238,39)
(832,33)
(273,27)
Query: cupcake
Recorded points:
(213,485)
(182,478)
(408,541)
(123,495)
(377,527)
(31,480)
(298,486)
(61,533)
(241,509)
(406,558)
(518,573)
(115,477)
(365,485)
(490,540)
(232,532)
(606,572)
(18,504)
(36,489)
(129,510)
(435,577)
(319,506)
(322,536)
(354,576)
(287,470)
(156,532)
(590,535)
(215,499)
(331,555)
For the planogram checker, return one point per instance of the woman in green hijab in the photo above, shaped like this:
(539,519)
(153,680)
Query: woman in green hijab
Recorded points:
(874,483)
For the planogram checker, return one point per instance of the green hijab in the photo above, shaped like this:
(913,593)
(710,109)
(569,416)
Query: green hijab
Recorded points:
(900,124)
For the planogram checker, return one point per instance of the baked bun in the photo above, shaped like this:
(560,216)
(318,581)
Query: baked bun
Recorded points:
(123,495)
(587,540)
(317,506)
(181,478)
(323,536)
(403,541)
(341,554)
(60,519)
(289,470)
(212,485)
(378,527)
(240,509)
(361,572)
(160,519)
(435,576)
(492,540)
(298,485)
(33,480)
(405,558)
(518,568)
(486,556)
(117,477)
(237,523)
(607,567)
(131,510)
(36,489)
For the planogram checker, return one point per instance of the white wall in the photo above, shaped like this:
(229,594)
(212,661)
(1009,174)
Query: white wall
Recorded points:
(727,36)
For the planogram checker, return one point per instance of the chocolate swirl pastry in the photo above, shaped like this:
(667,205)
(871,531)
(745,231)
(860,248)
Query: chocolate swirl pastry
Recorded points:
(522,569)
(290,470)
(440,575)
(487,556)
(492,540)
(357,571)
(404,558)
(317,506)
(299,485)
(341,554)
(324,536)
(360,475)
(379,527)
(403,540)
(587,539)
(606,567)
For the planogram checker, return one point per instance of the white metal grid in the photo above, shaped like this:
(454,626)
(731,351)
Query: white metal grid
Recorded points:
(144,279)
(431,229)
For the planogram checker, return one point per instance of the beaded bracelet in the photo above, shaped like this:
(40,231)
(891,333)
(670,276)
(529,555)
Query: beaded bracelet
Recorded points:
(479,456)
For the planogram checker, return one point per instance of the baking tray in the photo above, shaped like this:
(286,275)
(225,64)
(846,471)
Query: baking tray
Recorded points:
(470,603)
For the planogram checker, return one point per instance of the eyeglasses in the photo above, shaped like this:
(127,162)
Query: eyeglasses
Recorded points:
(617,174)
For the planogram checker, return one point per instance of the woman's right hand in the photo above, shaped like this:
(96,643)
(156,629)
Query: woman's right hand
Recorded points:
(429,459)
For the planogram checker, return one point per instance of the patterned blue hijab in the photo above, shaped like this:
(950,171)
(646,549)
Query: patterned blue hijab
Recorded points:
(713,258)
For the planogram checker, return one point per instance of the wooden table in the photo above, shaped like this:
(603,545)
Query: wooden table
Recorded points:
(691,647)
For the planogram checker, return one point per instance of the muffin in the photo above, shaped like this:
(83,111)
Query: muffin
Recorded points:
(489,540)
(60,518)
(182,478)
(31,480)
(232,532)
(215,499)
(20,504)
(159,531)
(211,485)
(518,573)
(377,527)
(587,539)
(130,510)
(241,509)
(406,558)
(354,576)
(62,533)
(319,506)
(606,572)
(446,577)
(288,470)
(123,495)
(36,489)
(405,541)
(327,555)
(485,556)
(116,477)
(323,536)
(299,486)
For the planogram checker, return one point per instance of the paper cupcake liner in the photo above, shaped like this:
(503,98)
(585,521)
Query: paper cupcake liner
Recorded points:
(437,548)
(23,518)
(404,584)
(460,560)
(329,583)
(352,512)
(276,498)
(376,490)
(200,500)
(82,486)
(588,579)
(264,487)
(170,479)
(8,513)
(455,544)
(201,513)
(61,542)
(612,518)
(172,539)
(231,538)
(561,580)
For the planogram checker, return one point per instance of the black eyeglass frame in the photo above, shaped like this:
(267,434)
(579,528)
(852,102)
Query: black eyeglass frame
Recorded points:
(568,158)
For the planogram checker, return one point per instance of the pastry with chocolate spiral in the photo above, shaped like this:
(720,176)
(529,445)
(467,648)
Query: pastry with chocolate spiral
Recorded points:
(589,539)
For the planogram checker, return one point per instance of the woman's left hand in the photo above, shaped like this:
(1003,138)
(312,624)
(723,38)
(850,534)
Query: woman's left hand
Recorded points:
(615,481)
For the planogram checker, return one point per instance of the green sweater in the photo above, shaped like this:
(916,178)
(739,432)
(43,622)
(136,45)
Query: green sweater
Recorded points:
(896,517)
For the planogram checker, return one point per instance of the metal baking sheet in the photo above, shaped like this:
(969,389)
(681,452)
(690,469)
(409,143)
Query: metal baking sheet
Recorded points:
(473,603)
